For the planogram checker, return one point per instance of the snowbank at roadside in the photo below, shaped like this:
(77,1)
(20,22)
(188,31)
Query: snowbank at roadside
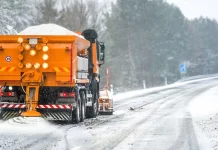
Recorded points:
(48,29)
(204,112)
(196,77)
(136,93)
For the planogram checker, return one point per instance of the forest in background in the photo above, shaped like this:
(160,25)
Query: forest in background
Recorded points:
(145,39)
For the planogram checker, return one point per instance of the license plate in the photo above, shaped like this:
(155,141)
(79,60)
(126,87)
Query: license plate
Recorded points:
(33,41)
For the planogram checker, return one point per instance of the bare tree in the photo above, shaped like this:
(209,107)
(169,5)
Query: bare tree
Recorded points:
(73,15)
(46,12)
(79,15)
(97,13)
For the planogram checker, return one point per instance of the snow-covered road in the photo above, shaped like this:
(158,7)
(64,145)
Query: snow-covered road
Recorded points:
(165,119)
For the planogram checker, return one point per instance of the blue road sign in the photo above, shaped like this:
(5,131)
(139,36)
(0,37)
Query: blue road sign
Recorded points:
(182,68)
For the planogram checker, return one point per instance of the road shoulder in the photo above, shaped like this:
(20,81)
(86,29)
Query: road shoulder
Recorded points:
(204,112)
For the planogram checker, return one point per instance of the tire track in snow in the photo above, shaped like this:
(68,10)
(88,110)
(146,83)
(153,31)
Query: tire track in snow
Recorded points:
(110,144)
(49,139)
(23,141)
(113,142)
(99,122)
(187,136)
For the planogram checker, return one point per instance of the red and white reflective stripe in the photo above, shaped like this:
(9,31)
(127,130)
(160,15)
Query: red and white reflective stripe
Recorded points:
(12,106)
(55,106)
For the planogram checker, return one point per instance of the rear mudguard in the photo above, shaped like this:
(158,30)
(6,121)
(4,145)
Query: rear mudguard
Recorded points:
(49,112)
(56,114)
(56,111)
(8,110)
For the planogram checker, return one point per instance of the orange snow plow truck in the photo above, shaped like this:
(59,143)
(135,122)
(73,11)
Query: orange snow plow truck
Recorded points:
(53,76)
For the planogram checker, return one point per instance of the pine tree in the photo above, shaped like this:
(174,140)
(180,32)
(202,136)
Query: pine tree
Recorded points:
(147,40)
(22,13)
(6,21)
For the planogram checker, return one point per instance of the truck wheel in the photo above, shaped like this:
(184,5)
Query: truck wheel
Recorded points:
(83,106)
(76,113)
(1,115)
(92,112)
(95,110)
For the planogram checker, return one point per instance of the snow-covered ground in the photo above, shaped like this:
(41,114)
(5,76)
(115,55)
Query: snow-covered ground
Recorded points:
(26,125)
(173,118)
(196,77)
(204,111)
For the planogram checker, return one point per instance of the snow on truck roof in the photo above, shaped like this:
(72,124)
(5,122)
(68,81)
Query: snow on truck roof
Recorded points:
(48,29)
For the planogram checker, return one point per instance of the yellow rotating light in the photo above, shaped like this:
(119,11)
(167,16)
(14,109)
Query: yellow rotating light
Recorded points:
(45,65)
(20,48)
(20,65)
(45,57)
(27,47)
(45,40)
(38,47)
(20,57)
(20,40)
(32,52)
(45,48)
(36,65)
(28,65)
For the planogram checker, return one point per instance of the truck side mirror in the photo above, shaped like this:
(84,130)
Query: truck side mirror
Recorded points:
(102,56)
(102,53)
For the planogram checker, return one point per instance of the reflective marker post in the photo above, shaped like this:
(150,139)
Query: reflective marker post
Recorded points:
(165,79)
(144,84)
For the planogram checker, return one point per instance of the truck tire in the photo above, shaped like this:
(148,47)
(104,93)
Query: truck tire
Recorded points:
(1,115)
(92,112)
(83,106)
(77,112)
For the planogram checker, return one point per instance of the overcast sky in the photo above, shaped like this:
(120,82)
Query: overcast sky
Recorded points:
(196,8)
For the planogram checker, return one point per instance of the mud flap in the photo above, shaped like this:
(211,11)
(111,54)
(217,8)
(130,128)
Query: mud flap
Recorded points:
(7,113)
(56,114)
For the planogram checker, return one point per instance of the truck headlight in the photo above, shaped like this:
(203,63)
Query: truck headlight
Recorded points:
(20,40)
(10,88)
(45,65)
(45,48)
(45,57)
(28,65)
(36,65)
(27,47)
(32,52)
